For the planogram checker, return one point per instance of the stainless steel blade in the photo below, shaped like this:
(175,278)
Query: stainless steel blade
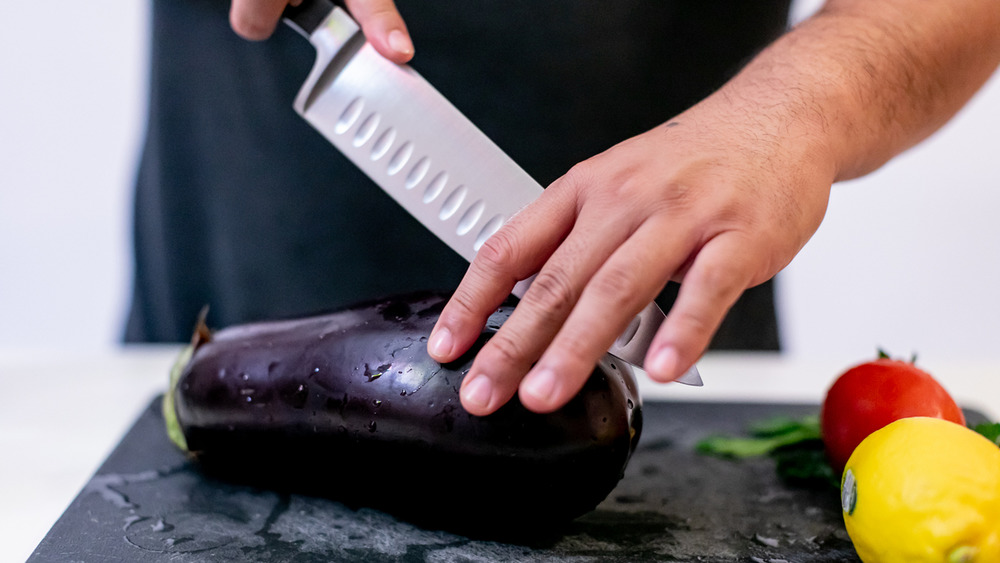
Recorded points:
(423,152)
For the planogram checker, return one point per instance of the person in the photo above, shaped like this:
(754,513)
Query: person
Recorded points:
(719,194)
(242,206)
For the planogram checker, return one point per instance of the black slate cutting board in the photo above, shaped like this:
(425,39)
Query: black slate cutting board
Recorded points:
(147,502)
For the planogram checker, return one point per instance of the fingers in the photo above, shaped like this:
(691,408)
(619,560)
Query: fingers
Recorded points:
(625,283)
(589,289)
(524,242)
(379,20)
(503,362)
(716,279)
(256,19)
(383,27)
(529,238)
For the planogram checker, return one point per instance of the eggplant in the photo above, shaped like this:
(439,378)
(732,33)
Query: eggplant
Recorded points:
(350,406)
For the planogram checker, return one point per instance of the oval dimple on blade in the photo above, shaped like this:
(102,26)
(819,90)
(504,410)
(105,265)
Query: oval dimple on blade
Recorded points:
(349,116)
(452,203)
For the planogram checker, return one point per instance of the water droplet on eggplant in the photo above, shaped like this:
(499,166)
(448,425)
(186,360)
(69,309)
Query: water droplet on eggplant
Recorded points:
(373,374)
(372,426)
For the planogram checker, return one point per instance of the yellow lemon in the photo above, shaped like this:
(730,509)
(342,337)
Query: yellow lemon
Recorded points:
(922,490)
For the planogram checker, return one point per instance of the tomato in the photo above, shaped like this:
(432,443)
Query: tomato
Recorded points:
(871,395)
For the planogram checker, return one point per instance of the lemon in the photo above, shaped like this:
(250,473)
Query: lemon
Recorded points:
(921,490)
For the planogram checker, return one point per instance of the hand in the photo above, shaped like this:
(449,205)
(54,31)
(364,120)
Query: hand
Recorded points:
(382,25)
(719,199)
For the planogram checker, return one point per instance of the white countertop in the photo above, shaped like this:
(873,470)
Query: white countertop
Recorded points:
(61,414)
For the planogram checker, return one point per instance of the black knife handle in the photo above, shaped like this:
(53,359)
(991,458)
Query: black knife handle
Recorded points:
(308,15)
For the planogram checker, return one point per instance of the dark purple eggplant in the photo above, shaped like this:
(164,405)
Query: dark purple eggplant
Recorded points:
(350,406)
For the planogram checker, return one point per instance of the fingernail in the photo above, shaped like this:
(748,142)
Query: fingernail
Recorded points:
(540,385)
(399,42)
(663,365)
(477,392)
(440,344)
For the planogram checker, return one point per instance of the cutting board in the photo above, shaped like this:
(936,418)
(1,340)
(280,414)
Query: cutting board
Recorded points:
(147,502)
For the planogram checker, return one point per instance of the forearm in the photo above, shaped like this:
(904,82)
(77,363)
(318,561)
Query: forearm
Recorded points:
(863,80)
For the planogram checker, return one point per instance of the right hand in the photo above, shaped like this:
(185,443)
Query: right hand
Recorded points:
(379,20)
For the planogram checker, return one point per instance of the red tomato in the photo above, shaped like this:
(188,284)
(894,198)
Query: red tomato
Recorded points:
(870,396)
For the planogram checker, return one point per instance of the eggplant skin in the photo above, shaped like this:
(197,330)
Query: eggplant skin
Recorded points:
(350,406)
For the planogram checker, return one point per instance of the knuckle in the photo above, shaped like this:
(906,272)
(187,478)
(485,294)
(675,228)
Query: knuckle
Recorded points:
(385,12)
(677,197)
(697,323)
(499,250)
(720,282)
(568,349)
(615,284)
(580,174)
(505,350)
(462,303)
(553,291)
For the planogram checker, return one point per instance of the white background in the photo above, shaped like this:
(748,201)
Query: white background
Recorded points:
(906,259)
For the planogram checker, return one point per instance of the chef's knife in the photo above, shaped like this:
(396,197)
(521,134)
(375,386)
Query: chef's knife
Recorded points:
(410,140)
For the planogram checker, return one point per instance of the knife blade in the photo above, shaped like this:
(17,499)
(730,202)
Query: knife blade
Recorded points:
(416,146)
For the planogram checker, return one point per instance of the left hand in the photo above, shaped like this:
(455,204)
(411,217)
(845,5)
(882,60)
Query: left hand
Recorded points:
(720,199)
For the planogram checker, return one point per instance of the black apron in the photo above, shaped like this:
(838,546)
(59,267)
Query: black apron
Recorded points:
(241,206)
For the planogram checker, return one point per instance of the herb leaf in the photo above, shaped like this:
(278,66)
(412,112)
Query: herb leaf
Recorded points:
(989,429)
(794,443)
(766,436)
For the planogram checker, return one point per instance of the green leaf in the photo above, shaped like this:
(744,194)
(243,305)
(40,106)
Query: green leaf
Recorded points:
(805,464)
(767,436)
(883,355)
(989,429)
(781,425)
(794,443)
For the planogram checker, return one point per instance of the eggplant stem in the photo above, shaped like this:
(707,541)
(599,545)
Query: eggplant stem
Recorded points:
(169,408)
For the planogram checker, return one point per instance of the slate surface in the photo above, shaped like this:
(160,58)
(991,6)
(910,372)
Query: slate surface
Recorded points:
(147,502)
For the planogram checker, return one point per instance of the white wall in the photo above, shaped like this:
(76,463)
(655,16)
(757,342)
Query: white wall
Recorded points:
(72,78)
(907,258)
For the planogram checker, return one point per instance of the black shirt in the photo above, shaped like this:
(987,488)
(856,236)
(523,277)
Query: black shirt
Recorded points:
(241,206)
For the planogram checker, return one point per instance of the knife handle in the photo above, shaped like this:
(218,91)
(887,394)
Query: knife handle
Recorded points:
(308,15)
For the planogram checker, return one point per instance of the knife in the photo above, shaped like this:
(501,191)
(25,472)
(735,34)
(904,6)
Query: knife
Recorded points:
(412,142)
